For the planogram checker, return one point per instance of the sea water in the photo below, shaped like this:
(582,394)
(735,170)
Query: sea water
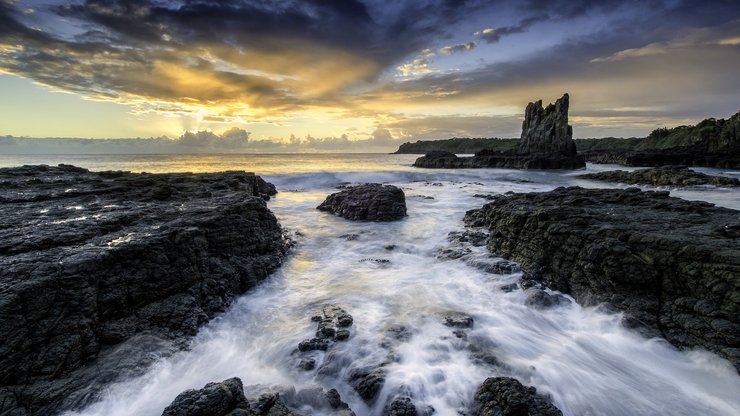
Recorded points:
(581,357)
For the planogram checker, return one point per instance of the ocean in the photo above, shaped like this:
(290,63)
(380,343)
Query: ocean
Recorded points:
(582,357)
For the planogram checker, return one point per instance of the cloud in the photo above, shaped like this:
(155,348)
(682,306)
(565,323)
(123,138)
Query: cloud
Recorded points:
(233,138)
(463,47)
(418,66)
(493,35)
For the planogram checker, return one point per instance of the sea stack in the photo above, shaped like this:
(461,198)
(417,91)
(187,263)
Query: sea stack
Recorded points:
(546,130)
(546,143)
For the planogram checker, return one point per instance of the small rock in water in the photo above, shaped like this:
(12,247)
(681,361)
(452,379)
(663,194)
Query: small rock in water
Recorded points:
(505,396)
(401,406)
(307,364)
(313,344)
(458,320)
(368,383)
(350,237)
(390,247)
(540,299)
(369,202)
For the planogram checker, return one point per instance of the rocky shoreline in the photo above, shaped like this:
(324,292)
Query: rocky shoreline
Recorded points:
(99,269)
(663,176)
(673,265)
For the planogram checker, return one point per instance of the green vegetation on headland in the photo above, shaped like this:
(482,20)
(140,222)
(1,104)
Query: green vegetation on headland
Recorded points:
(457,145)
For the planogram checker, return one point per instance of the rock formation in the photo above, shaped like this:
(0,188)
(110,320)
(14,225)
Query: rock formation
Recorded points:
(546,130)
(663,176)
(546,143)
(100,269)
(369,202)
(673,265)
(504,396)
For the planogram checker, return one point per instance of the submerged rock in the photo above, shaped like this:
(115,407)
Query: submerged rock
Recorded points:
(100,269)
(669,263)
(662,176)
(546,143)
(505,396)
(369,202)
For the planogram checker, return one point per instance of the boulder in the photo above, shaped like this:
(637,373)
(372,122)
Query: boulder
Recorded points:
(100,269)
(505,396)
(368,202)
(673,265)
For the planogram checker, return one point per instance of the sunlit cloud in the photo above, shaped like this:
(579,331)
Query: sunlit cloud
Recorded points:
(355,68)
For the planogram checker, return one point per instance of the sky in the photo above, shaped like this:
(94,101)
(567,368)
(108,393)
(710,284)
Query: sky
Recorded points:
(348,73)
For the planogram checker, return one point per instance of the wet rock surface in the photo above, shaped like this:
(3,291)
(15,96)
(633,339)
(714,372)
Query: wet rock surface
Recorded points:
(673,265)
(229,398)
(369,202)
(662,176)
(504,396)
(99,269)
(546,143)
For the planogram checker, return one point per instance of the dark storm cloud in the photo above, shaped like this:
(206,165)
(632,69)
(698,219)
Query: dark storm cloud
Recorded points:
(246,59)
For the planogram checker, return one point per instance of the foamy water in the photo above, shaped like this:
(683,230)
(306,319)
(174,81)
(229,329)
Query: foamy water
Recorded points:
(582,357)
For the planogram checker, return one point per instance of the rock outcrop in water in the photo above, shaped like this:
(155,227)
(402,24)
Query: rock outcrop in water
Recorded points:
(99,269)
(368,202)
(673,265)
(504,396)
(228,398)
(662,176)
(546,143)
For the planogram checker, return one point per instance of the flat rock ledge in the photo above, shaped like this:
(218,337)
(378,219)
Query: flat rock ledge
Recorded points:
(100,269)
(662,176)
(368,202)
(505,396)
(499,159)
(673,265)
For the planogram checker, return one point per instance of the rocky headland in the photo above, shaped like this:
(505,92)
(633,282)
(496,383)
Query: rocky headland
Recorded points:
(672,265)
(711,142)
(368,202)
(546,143)
(662,176)
(100,269)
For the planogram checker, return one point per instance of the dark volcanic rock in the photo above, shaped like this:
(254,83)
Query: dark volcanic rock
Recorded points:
(226,398)
(504,396)
(369,202)
(89,262)
(546,143)
(367,383)
(546,130)
(672,265)
(401,406)
(215,399)
(662,176)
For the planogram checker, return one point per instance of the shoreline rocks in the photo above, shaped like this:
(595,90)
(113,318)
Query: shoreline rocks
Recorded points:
(100,269)
(662,176)
(546,143)
(673,265)
(505,396)
(368,202)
